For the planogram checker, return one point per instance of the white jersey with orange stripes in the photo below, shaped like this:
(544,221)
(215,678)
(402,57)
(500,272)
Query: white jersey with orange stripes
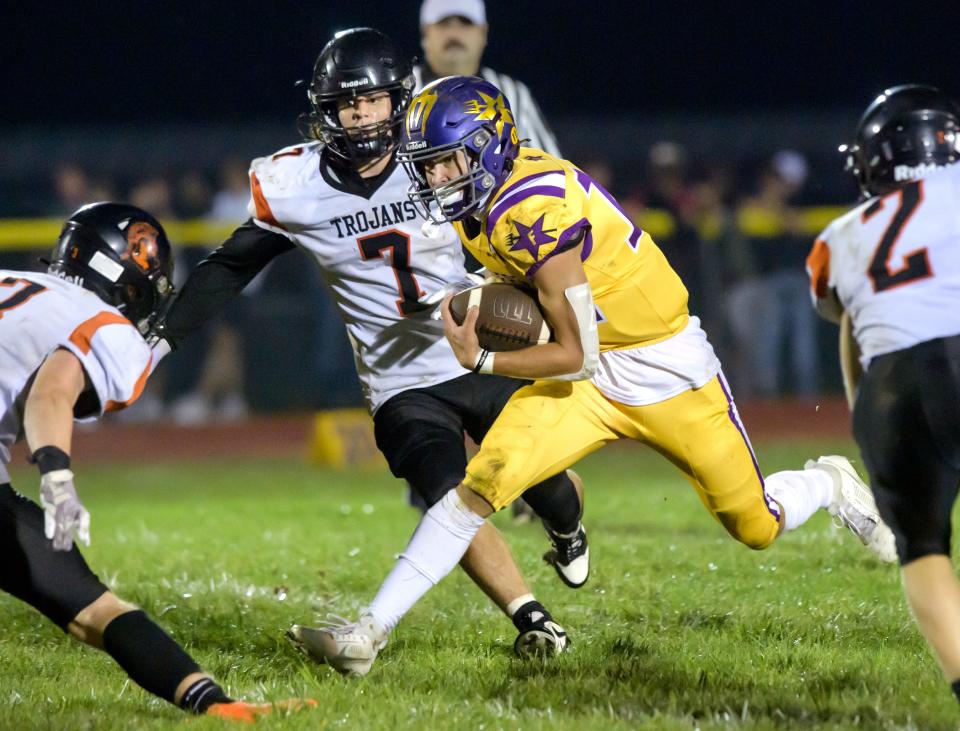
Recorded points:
(894,264)
(377,258)
(40,313)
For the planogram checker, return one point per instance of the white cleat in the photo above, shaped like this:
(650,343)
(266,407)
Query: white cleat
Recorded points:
(854,507)
(349,648)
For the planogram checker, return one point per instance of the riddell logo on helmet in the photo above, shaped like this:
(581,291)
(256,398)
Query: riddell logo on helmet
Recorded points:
(416,145)
(354,83)
(913,172)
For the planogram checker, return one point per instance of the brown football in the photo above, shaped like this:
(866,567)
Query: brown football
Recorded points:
(510,317)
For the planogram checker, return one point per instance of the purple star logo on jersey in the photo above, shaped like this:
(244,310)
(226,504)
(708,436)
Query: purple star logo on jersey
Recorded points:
(530,238)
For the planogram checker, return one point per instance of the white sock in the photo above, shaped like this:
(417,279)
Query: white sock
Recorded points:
(513,606)
(438,544)
(801,493)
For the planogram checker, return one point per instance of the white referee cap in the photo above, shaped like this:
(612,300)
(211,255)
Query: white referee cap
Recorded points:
(433,11)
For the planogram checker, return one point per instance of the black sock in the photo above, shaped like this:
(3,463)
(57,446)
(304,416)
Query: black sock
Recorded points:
(201,695)
(529,614)
(148,655)
(955,687)
(556,501)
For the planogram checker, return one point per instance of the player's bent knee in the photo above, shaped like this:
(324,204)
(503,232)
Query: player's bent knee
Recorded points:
(755,534)
(92,620)
(474,500)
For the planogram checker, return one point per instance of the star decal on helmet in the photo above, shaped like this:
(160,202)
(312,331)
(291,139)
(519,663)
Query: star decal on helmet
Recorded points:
(530,238)
(490,108)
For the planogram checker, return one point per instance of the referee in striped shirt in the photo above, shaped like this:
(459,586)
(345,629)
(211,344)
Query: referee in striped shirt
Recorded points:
(453,34)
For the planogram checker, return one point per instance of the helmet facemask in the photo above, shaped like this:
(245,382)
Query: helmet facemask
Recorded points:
(457,198)
(361,145)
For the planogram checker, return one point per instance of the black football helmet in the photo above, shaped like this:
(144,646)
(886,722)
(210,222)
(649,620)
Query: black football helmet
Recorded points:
(906,132)
(121,253)
(355,63)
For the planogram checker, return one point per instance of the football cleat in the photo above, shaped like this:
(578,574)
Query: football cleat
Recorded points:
(570,557)
(307,640)
(350,648)
(243,712)
(540,636)
(853,507)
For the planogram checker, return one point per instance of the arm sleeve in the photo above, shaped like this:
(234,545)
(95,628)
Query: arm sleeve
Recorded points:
(221,277)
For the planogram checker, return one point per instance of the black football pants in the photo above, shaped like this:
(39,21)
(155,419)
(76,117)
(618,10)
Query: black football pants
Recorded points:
(57,583)
(420,432)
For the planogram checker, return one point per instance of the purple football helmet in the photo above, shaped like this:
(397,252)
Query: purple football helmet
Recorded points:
(458,114)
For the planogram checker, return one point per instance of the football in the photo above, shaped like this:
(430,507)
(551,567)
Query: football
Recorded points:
(510,317)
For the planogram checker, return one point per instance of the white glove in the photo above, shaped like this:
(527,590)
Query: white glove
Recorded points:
(160,349)
(488,277)
(435,298)
(63,513)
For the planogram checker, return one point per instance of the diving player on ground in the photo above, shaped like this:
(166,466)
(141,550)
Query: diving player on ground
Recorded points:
(72,345)
(342,198)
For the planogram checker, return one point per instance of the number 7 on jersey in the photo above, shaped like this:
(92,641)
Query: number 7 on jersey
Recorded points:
(397,244)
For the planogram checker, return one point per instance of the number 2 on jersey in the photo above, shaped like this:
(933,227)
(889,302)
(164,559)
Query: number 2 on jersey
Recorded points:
(397,243)
(916,265)
(30,289)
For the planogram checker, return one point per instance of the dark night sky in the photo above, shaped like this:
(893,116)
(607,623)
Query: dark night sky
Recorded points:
(214,60)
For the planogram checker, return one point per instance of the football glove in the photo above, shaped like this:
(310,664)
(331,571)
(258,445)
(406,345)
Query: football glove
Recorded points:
(63,513)
(470,279)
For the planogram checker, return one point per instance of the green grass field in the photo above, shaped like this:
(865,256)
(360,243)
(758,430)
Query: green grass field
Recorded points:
(679,627)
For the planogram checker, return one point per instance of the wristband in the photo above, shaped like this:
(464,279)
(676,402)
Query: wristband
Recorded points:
(484,362)
(50,459)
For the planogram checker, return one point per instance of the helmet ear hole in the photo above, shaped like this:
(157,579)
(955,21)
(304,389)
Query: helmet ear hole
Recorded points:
(131,294)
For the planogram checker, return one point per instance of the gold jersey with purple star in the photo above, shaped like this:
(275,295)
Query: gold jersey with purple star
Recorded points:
(548,205)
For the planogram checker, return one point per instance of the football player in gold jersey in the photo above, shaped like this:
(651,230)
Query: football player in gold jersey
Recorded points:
(627,359)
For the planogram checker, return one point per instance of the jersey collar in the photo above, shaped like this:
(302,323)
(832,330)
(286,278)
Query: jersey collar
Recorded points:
(347,180)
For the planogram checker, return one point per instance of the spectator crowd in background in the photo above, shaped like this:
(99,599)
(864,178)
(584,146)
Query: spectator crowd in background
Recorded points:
(735,233)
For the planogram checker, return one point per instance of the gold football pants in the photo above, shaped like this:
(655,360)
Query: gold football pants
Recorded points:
(549,425)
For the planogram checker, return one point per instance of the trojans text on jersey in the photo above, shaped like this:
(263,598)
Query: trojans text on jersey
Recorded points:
(351,224)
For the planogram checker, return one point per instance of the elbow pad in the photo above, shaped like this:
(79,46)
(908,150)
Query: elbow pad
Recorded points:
(580,298)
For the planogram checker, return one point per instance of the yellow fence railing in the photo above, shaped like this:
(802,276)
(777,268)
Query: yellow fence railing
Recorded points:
(27,234)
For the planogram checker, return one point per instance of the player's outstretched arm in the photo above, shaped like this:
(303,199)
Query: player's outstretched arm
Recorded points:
(221,277)
(48,425)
